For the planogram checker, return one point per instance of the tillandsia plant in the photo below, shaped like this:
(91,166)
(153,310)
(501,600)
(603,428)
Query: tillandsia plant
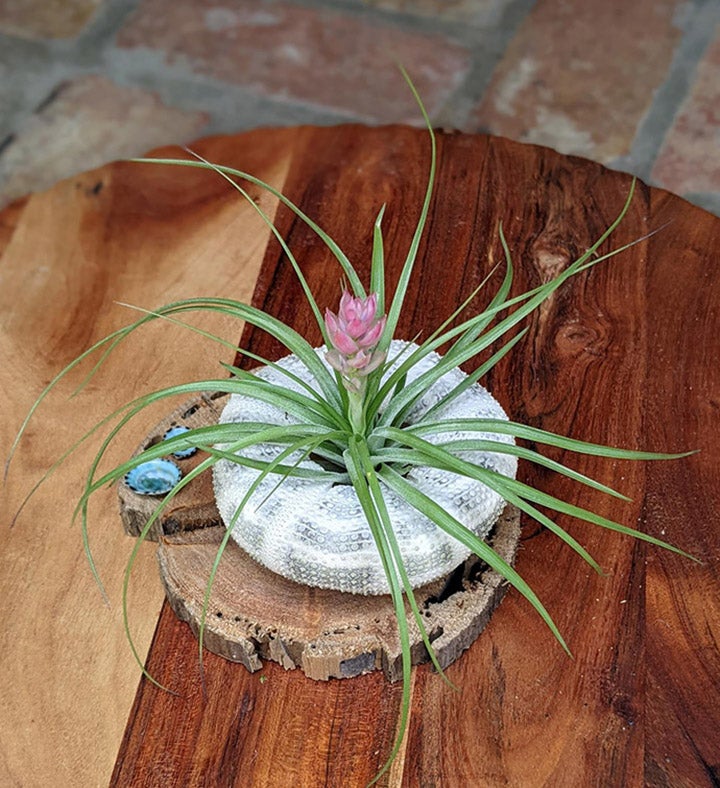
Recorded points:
(347,409)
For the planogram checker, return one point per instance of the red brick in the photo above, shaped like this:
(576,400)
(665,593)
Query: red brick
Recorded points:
(689,160)
(35,19)
(579,77)
(89,121)
(330,59)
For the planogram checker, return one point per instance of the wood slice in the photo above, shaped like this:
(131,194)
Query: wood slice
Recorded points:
(256,614)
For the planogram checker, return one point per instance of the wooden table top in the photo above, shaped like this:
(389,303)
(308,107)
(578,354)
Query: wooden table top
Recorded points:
(625,354)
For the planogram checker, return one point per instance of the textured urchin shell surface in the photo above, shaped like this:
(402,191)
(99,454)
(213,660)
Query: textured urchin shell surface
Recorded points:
(315,532)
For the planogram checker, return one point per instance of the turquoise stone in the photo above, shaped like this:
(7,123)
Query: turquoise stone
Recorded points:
(173,432)
(154,477)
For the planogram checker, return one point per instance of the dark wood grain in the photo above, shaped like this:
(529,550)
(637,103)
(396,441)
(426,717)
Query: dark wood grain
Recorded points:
(624,354)
(683,406)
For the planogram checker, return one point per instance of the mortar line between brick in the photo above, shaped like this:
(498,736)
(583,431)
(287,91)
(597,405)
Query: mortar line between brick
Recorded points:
(180,85)
(458,106)
(106,23)
(464,32)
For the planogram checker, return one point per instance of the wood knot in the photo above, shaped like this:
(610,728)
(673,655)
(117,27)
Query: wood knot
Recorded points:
(574,338)
(550,263)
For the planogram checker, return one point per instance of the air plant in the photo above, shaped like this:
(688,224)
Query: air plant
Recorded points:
(350,408)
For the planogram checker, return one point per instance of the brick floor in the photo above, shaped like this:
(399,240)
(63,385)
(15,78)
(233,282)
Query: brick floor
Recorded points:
(85,123)
(35,19)
(328,58)
(689,160)
(563,84)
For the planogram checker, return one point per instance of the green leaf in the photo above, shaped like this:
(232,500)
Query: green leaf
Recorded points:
(279,434)
(274,466)
(506,487)
(425,505)
(340,256)
(236,350)
(475,376)
(51,385)
(497,301)
(201,468)
(367,464)
(512,489)
(456,357)
(291,339)
(410,457)
(293,262)
(353,462)
(523,431)
(377,269)
(399,296)
(377,394)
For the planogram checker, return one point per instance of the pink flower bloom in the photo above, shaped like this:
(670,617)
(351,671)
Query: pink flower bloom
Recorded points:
(354,334)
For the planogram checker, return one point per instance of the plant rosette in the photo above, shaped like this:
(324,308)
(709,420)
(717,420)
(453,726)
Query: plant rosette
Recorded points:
(380,446)
(314,530)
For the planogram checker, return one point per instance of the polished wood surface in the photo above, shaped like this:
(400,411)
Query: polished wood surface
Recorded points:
(624,354)
(68,679)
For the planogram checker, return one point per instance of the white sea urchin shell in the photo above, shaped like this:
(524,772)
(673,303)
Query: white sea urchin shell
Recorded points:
(315,532)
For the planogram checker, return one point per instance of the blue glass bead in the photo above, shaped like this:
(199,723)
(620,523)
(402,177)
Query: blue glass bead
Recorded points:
(173,432)
(154,477)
